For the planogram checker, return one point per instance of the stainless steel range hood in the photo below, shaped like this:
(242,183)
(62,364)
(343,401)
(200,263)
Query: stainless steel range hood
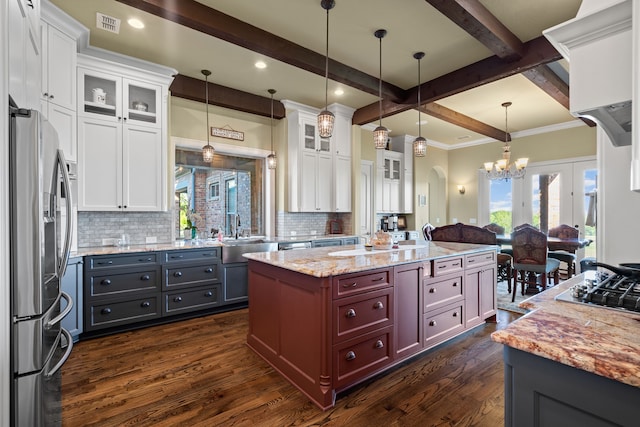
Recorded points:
(598,45)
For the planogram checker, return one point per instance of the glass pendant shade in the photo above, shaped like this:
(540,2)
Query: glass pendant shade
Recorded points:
(325,123)
(420,147)
(207,153)
(380,137)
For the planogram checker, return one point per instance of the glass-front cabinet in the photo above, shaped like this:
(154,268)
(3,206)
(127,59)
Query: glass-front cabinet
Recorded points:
(114,98)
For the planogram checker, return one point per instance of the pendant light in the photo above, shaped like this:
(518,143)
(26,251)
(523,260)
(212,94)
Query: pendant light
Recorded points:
(419,144)
(326,117)
(207,150)
(380,134)
(271,158)
(503,169)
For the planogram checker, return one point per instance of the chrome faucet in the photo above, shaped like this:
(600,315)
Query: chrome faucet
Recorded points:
(237,224)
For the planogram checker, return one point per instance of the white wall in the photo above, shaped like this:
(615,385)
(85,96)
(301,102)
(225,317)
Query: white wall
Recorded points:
(618,207)
(5,323)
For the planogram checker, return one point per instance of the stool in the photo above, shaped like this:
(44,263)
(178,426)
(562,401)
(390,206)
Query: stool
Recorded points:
(504,269)
(566,257)
(584,264)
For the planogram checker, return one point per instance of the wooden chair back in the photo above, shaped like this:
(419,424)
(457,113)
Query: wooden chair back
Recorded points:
(529,246)
(498,229)
(462,233)
(564,231)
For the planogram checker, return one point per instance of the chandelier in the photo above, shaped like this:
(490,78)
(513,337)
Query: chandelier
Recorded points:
(419,144)
(207,150)
(503,169)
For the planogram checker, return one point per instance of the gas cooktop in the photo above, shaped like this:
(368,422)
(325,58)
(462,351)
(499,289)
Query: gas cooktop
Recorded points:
(604,289)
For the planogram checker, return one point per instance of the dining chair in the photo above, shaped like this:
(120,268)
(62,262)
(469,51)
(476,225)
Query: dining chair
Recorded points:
(564,231)
(504,258)
(426,231)
(531,265)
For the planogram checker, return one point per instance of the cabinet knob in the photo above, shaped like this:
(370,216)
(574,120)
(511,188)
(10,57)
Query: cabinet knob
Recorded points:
(46,95)
(350,355)
(455,314)
(177,274)
(432,290)
(125,206)
(455,284)
(30,4)
(145,277)
(145,304)
(432,323)
(105,310)
(119,118)
(208,294)
(379,344)
(378,305)
(106,282)
(208,270)
(350,313)
(177,299)
(50,96)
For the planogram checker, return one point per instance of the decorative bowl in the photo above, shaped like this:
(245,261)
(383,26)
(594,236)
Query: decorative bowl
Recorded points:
(140,106)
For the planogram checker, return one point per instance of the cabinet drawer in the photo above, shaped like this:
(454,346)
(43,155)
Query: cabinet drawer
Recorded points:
(107,261)
(192,255)
(124,312)
(482,258)
(191,300)
(355,283)
(446,266)
(119,282)
(443,324)
(191,275)
(357,358)
(359,314)
(445,292)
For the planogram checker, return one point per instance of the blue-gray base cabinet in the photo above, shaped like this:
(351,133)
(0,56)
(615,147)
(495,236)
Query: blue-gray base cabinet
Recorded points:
(543,393)
(72,285)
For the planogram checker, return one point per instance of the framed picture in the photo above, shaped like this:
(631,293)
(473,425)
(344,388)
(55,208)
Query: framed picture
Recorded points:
(335,227)
(402,222)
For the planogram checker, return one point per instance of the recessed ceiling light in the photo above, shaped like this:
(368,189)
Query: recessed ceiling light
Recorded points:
(339,92)
(260,64)
(136,23)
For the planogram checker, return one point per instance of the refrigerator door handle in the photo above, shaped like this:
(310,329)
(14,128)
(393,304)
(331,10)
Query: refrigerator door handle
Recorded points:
(64,312)
(62,164)
(64,358)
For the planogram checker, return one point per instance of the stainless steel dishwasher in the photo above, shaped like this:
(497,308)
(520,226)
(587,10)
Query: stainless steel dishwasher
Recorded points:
(288,246)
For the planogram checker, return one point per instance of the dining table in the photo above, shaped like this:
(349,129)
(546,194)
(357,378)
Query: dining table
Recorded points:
(553,243)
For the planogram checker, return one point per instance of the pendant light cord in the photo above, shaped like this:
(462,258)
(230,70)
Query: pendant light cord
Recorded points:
(326,67)
(380,84)
(271,122)
(206,91)
(419,105)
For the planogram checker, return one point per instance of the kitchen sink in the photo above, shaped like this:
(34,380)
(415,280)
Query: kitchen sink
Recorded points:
(233,249)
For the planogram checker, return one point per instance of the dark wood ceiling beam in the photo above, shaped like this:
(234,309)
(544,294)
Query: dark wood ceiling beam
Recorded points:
(443,113)
(537,52)
(543,77)
(201,18)
(475,19)
(222,96)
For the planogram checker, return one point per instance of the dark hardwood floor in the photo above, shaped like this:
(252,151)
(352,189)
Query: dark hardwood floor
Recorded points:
(200,372)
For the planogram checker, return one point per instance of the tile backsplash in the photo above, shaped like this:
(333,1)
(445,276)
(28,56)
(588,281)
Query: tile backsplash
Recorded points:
(93,227)
(306,223)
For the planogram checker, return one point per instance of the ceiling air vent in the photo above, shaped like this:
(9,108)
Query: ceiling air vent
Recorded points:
(109,23)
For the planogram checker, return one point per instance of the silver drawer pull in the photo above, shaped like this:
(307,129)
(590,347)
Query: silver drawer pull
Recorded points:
(378,279)
(432,323)
(105,262)
(208,294)
(145,304)
(209,270)
(177,274)
(378,305)
(177,299)
(379,344)
(350,313)
(145,277)
(106,282)
(350,355)
(349,285)
(144,259)
(106,310)
(432,290)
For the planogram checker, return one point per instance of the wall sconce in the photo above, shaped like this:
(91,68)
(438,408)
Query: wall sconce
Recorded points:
(461,189)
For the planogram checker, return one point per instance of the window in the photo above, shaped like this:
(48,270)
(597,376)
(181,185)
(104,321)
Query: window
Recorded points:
(213,189)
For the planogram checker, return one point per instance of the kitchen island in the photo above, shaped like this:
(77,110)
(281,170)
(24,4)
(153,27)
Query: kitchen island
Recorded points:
(330,318)
(571,364)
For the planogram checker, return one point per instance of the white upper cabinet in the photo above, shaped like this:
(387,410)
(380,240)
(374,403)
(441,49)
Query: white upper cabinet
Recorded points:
(59,59)
(24,52)
(394,179)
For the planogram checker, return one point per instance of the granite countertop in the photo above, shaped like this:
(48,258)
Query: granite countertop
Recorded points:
(330,261)
(598,340)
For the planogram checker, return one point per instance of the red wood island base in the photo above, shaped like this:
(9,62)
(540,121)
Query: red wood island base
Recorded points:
(327,320)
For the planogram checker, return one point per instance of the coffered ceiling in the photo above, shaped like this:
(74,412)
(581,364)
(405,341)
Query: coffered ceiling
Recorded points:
(479,54)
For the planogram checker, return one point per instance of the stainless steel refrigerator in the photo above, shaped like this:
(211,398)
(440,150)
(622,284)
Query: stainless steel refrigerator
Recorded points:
(39,254)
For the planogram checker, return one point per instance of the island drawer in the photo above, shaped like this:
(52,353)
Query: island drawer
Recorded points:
(362,313)
(191,275)
(106,315)
(350,284)
(108,261)
(183,255)
(122,281)
(482,258)
(444,266)
(444,292)
(357,358)
(191,300)
(443,324)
